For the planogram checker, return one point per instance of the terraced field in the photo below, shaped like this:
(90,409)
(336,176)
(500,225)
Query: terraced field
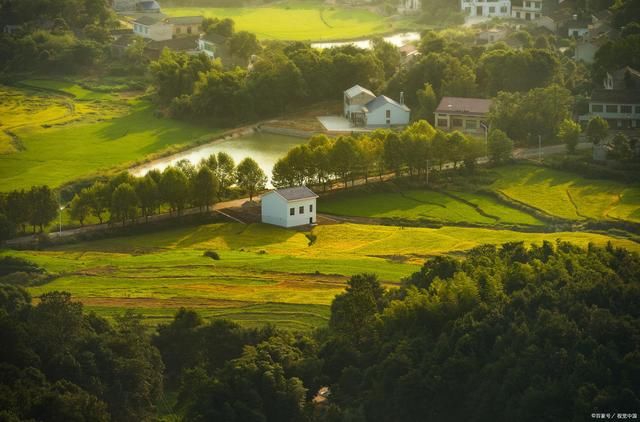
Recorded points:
(569,196)
(299,20)
(427,205)
(54,132)
(265,274)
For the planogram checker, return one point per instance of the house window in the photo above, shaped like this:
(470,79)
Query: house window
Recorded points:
(625,109)
(503,9)
(492,9)
(456,123)
(442,123)
(611,108)
(301,210)
(596,108)
(310,207)
(188,30)
(292,211)
(388,114)
(471,124)
(178,30)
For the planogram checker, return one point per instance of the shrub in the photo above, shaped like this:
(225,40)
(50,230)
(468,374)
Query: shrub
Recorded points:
(212,254)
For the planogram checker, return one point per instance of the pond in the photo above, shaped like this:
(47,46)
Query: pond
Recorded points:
(398,40)
(265,148)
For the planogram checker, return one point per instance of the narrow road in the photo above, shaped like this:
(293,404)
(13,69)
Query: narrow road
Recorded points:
(521,153)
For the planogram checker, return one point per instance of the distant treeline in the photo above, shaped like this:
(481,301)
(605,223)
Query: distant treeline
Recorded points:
(125,198)
(510,333)
(412,151)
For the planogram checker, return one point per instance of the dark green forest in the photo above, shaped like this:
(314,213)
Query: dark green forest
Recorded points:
(507,333)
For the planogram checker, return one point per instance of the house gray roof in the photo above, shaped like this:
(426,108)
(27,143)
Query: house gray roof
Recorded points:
(185,20)
(147,20)
(295,193)
(357,90)
(383,100)
(460,105)
(148,5)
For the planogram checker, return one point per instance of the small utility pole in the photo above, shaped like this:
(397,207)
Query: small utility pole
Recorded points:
(427,172)
(540,148)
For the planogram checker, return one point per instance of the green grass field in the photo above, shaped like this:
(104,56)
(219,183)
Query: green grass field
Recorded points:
(425,205)
(298,20)
(265,274)
(569,196)
(61,139)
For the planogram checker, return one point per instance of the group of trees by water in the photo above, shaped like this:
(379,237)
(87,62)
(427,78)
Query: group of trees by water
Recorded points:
(411,151)
(125,197)
(508,333)
(284,76)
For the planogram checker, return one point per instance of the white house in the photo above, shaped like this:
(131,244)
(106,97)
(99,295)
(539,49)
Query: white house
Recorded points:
(530,10)
(464,114)
(363,108)
(211,44)
(289,207)
(152,28)
(410,6)
(486,8)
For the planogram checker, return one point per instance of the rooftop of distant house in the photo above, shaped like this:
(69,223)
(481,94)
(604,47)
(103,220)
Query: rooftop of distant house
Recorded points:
(460,105)
(295,193)
(185,20)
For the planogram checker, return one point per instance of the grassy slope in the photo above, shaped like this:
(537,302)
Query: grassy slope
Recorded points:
(104,133)
(425,204)
(297,20)
(266,274)
(568,195)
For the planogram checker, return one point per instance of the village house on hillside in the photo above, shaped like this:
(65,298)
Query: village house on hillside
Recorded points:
(289,207)
(410,6)
(363,108)
(618,101)
(463,114)
(186,25)
(152,28)
(483,8)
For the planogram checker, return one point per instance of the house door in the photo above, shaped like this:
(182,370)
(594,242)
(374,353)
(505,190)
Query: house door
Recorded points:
(478,10)
(310,220)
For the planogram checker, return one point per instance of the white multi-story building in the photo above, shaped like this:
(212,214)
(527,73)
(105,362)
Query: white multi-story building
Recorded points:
(530,10)
(410,6)
(486,8)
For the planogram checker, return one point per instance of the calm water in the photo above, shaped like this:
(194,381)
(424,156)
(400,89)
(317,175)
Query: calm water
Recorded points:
(265,148)
(398,40)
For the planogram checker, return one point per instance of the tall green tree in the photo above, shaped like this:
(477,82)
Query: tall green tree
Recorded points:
(205,188)
(148,195)
(174,189)
(597,130)
(124,203)
(569,134)
(250,177)
(500,146)
(43,206)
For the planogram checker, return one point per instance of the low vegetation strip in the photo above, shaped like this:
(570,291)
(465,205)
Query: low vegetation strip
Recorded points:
(274,274)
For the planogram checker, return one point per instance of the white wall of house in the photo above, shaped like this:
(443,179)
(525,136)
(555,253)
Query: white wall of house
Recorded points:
(466,124)
(388,115)
(355,104)
(157,32)
(207,48)
(476,8)
(277,210)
